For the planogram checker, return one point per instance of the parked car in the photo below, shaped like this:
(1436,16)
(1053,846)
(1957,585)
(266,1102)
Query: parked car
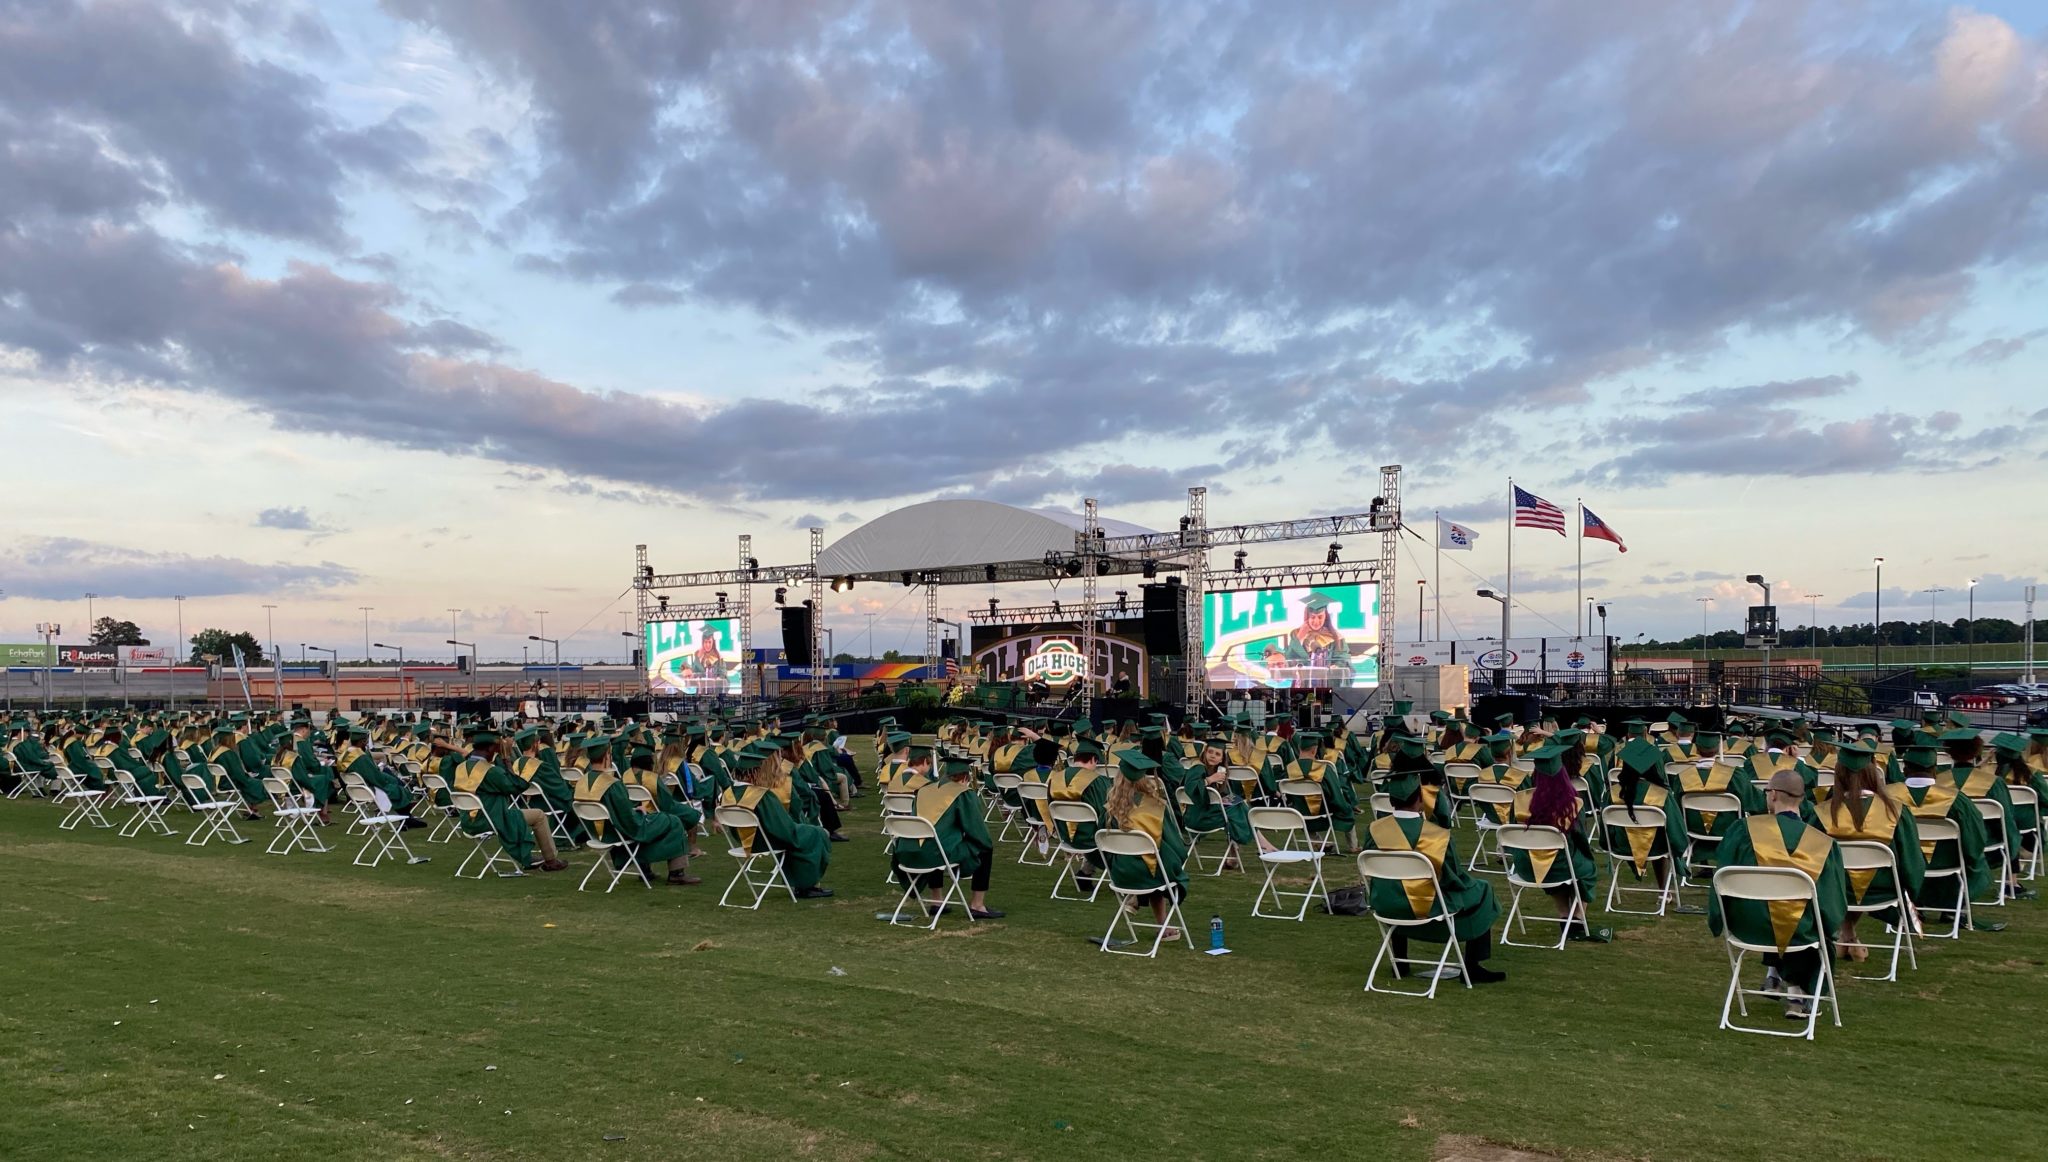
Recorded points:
(1924,700)
(1976,702)
(2037,691)
(1997,696)
(2037,718)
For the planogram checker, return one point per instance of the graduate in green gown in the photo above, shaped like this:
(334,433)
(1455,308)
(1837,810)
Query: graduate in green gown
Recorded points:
(535,760)
(314,777)
(764,788)
(1140,802)
(1863,807)
(521,831)
(1300,758)
(1642,785)
(1780,839)
(1981,782)
(1470,901)
(227,756)
(1211,772)
(1553,801)
(1930,796)
(2010,752)
(1083,782)
(661,837)
(955,811)
(1408,754)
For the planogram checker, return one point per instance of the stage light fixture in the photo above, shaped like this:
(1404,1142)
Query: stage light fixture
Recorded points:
(992,603)
(1123,600)
(1151,569)
(754,566)
(662,600)
(908,578)
(781,595)
(1237,562)
(1073,567)
(1335,549)
(721,600)
(1186,523)
(1102,566)
(842,584)
(1055,607)
(988,572)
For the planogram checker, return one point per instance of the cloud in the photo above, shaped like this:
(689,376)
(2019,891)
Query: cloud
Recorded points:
(1996,350)
(60,568)
(809,520)
(295,519)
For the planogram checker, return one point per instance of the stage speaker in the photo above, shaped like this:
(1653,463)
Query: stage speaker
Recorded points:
(634,708)
(796,635)
(1165,620)
(949,648)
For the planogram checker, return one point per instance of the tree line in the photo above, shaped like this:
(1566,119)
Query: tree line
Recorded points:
(1985,631)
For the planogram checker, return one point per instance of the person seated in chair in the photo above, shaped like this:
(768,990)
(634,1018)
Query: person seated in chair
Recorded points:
(1138,802)
(519,830)
(1552,801)
(661,837)
(955,811)
(1781,839)
(2011,752)
(1211,772)
(1930,795)
(763,787)
(1642,785)
(1470,901)
(1863,806)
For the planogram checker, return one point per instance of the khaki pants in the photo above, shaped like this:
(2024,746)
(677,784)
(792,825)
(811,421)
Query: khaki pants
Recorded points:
(543,834)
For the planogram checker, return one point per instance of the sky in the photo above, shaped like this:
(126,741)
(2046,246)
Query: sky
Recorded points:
(432,305)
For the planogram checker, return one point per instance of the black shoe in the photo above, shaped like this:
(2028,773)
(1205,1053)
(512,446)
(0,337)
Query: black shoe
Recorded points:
(1596,936)
(814,893)
(1480,974)
(986,913)
(839,837)
(413,824)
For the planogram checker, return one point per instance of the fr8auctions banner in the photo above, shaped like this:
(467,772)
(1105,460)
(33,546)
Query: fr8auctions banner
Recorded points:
(90,656)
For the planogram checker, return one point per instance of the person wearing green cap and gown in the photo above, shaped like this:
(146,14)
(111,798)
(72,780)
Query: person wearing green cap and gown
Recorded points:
(764,788)
(1980,781)
(312,776)
(1469,900)
(1864,808)
(2012,766)
(520,830)
(1929,796)
(535,760)
(1410,756)
(1139,802)
(227,756)
(1704,774)
(661,837)
(1300,759)
(29,753)
(1774,755)
(1781,839)
(955,811)
(1641,784)
(1211,772)
(1081,782)
(79,756)
(129,757)
(1316,646)
(1552,800)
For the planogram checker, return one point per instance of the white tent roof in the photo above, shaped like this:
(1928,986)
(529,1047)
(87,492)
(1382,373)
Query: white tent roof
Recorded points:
(941,534)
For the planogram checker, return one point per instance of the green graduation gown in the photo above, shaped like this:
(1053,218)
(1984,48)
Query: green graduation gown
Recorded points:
(373,774)
(1895,829)
(1151,815)
(662,837)
(498,790)
(955,812)
(1942,801)
(1202,815)
(806,849)
(1642,844)
(249,787)
(1783,841)
(1470,900)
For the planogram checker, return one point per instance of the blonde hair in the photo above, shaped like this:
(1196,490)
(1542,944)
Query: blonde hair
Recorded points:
(1125,795)
(772,774)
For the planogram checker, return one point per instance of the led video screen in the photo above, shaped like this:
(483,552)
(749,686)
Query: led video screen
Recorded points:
(693,657)
(1312,636)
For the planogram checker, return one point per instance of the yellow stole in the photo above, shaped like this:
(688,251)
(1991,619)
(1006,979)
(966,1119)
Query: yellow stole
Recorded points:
(1004,760)
(1879,825)
(470,774)
(1643,840)
(1071,783)
(1678,752)
(1810,856)
(1432,841)
(345,759)
(1934,805)
(647,781)
(591,790)
(1978,785)
(527,768)
(1466,752)
(1763,764)
(935,800)
(1312,770)
(750,798)
(1148,815)
(1693,781)
(1539,861)
(889,771)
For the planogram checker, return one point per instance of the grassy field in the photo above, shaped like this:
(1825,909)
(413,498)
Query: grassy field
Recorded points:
(164,1001)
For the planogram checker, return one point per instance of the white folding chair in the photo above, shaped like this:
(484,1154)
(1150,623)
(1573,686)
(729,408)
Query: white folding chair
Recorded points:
(1000,802)
(1301,791)
(1935,832)
(294,821)
(1246,782)
(484,841)
(558,823)
(1703,847)
(383,831)
(1112,842)
(1291,846)
(1768,885)
(2022,799)
(1863,855)
(910,830)
(1037,800)
(215,815)
(359,810)
(598,821)
(83,802)
(1533,841)
(1197,835)
(1382,805)
(746,844)
(1650,819)
(1997,846)
(433,788)
(149,809)
(1406,867)
(1074,856)
(1458,780)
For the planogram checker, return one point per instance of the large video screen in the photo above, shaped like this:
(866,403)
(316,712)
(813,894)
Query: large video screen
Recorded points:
(1050,652)
(1312,636)
(693,657)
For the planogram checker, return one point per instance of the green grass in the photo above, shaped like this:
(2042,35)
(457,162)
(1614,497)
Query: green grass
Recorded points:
(163,1001)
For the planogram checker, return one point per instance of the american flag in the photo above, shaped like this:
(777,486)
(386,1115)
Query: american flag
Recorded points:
(1534,512)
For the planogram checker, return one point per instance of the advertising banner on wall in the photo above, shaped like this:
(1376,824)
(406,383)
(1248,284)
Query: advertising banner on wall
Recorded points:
(1314,636)
(95,657)
(27,654)
(1567,659)
(1423,654)
(143,655)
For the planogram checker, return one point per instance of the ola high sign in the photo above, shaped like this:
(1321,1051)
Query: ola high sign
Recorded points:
(1058,662)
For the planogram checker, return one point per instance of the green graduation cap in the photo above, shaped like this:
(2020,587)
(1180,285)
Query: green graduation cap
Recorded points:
(1134,765)
(898,739)
(1918,756)
(1549,752)
(2011,744)
(954,767)
(1958,735)
(1642,756)
(1403,786)
(1315,601)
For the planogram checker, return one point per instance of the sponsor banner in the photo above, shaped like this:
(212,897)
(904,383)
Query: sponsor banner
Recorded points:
(1522,653)
(95,657)
(143,655)
(1299,636)
(1424,654)
(1568,659)
(856,672)
(27,654)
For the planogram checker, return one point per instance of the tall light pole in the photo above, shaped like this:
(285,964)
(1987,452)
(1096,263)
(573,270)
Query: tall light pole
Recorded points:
(1706,603)
(1812,629)
(366,631)
(1970,632)
(276,658)
(1876,619)
(541,629)
(401,671)
(459,646)
(1933,593)
(1421,595)
(453,632)
(180,599)
(1500,673)
(88,614)
(1757,579)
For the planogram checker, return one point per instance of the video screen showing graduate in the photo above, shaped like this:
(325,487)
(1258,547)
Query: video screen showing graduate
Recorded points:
(1300,637)
(693,657)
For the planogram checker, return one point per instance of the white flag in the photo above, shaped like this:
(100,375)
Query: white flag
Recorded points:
(1454,536)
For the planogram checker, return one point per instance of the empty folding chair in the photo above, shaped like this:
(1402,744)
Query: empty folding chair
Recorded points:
(1933,834)
(2028,839)
(1493,808)
(433,788)
(1298,795)
(1004,784)
(358,810)
(1038,846)
(604,840)
(915,863)
(1290,847)
(294,820)
(1458,780)
(149,809)
(1406,868)
(1772,885)
(1997,847)
(215,814)
(1646,821)
(1112,843)
(1544,848)
(1075,854)
(760,863)
(82,803)
(484,841)
(383,831)
(1863,855)
(1382,805)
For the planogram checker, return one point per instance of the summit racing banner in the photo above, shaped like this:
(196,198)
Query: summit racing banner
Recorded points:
(693,657)
(1297,637)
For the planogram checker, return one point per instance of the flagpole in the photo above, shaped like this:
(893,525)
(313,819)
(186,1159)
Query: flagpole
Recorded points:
(1507,613)
(1579,607)
(1439,575)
